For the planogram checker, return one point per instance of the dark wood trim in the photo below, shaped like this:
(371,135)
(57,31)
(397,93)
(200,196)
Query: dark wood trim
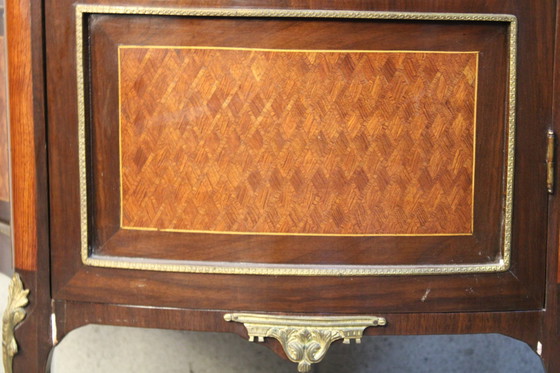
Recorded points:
(29,178)
(300,294)
(519,325)
(551,322)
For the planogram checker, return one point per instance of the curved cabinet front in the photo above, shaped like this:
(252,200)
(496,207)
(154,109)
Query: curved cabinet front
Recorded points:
(364,161)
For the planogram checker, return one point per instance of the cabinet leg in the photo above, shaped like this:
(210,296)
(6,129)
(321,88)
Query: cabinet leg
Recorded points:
(551,328)
(551,356)
(34,352)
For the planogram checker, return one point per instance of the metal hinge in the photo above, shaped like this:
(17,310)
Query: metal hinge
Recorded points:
(54,332)
(550,148)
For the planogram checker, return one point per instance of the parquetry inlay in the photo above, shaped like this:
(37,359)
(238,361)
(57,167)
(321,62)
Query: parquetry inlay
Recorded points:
(300,142)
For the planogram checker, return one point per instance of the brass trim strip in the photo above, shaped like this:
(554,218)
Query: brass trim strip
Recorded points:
(500,265)
(236,268)
(305,339)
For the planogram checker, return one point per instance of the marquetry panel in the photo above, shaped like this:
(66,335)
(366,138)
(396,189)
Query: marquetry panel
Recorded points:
(298,142)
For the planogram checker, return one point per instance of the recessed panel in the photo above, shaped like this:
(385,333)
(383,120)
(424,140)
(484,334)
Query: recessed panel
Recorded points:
(269,145)
(273,141)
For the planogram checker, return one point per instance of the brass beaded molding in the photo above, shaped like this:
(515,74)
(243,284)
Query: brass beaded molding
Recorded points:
(502,264)
(305,339)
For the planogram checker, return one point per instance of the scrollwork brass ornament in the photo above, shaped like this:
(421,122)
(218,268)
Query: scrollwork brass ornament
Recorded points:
(13,315)
(305,340)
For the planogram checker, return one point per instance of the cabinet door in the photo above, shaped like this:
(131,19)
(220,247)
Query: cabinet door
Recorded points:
(380,156)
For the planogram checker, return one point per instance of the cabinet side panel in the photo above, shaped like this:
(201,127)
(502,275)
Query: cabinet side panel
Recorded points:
(29,179)
(22,132)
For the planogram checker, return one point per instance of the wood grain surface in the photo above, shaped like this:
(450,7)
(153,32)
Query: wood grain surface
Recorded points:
(22,115)
(304,142)
(28,154)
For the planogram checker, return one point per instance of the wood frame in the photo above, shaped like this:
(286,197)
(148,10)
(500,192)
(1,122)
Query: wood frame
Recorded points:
(112,241)
(516,290)
(31,235)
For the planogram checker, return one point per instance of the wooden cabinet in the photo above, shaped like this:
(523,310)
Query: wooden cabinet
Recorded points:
(295,172)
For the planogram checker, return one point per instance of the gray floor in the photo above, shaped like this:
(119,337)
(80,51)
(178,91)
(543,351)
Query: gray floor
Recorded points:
(105,349)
